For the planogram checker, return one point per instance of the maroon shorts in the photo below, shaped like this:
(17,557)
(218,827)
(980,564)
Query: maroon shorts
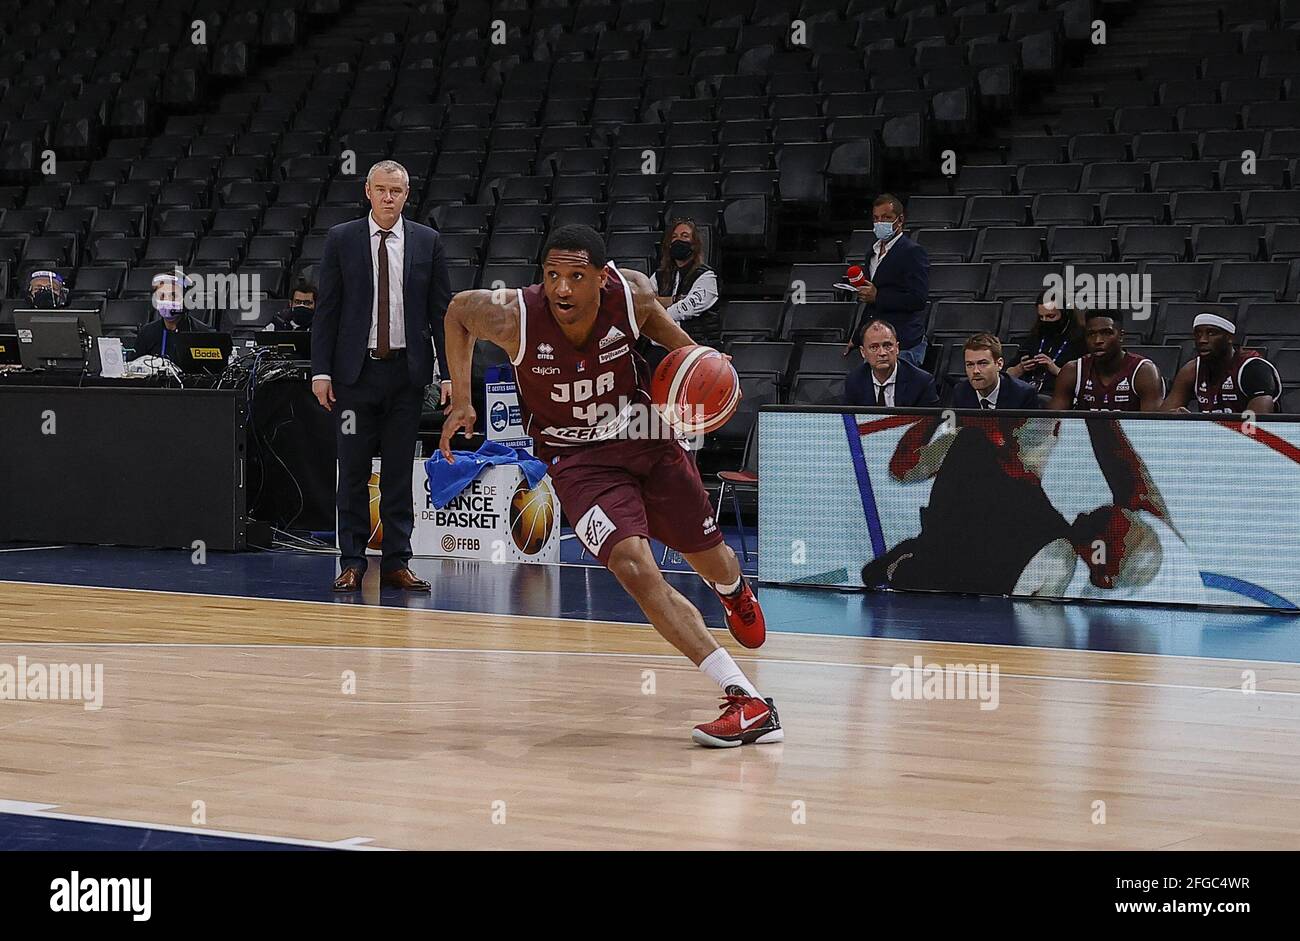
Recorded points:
(635,488)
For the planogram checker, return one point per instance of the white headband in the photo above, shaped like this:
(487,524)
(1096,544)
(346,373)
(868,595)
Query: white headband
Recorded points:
(1214,320)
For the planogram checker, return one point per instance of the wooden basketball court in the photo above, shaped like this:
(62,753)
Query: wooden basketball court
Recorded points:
(479,731)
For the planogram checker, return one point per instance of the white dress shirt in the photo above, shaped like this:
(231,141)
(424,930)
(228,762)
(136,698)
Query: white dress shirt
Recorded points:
(396,245)
(992,397)
(889,385)
(396,256)
(880,250)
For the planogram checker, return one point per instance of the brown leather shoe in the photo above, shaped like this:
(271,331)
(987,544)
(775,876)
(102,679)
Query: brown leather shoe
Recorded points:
(348,580)
(405,579)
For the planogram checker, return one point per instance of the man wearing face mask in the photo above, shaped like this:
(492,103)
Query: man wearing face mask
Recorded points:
(157,337)
(898,285)
(297,316)
(46,290)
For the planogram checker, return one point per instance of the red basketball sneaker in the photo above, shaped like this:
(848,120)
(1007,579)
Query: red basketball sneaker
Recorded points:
(745,720)
(744,616)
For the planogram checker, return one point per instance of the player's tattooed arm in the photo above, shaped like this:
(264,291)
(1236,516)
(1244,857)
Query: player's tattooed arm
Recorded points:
(1063,391)
(480,315)
(1181,393)
(651,318)
(471,315)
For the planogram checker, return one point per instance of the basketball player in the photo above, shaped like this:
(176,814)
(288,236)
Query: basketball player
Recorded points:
(619,473)
(1223,377)
(1107,378)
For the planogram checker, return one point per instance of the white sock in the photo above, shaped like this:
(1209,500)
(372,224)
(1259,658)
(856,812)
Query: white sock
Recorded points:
(728,589)
(719,667)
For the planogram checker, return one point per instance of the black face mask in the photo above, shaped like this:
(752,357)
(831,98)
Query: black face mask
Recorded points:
(680,251)
(43,298)
(301,314)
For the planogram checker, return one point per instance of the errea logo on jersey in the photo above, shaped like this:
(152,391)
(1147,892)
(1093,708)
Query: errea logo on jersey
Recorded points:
(613,336)
(709,525)
(545,351)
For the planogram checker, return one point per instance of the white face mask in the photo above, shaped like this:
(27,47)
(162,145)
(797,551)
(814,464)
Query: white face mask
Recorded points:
(883,230)
(169,310)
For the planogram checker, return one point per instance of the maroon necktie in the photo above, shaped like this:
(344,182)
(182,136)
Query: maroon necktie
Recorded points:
(382,340)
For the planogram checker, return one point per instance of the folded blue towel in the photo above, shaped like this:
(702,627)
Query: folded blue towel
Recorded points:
(446,481)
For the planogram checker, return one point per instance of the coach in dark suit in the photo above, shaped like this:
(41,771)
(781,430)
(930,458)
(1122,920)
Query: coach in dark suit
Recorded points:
(898,285)
(986,386)
(384,291)
(884,379)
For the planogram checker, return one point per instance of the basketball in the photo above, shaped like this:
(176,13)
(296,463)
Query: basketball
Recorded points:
(532,516)
(696,389)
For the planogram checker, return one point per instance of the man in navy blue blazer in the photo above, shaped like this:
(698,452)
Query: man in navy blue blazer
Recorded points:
(898,272)
(884,379)
(986,386)
(384,290)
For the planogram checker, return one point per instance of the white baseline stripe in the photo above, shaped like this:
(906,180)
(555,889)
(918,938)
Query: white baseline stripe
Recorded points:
(1046,677)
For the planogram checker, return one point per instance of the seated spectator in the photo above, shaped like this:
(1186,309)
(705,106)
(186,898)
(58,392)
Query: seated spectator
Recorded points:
(1056,339)
(898,285)
(885,380)
(297,316)
(1107,378)
(687,287)
(169,301)
(1222,377)
(985,386)
(46,290)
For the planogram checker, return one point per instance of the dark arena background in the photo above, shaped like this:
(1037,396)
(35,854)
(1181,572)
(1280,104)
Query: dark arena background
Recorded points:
(1052,627)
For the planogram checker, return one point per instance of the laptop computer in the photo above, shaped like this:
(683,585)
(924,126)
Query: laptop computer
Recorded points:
(296,344)
(202,352)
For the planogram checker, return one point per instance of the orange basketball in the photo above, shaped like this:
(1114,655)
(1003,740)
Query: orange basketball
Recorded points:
(696,389)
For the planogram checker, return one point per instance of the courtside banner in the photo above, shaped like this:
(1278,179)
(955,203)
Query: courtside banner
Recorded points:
(1185,509)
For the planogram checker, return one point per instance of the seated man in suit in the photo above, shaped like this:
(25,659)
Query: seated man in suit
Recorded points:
(884,379)
(899,279)
(985,385)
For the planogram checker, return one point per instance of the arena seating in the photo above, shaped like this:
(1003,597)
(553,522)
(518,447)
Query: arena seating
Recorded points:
(1169,150)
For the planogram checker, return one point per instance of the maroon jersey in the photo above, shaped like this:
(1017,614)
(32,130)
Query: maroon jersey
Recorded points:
(1119,395)
(570,396)
(1234,392)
